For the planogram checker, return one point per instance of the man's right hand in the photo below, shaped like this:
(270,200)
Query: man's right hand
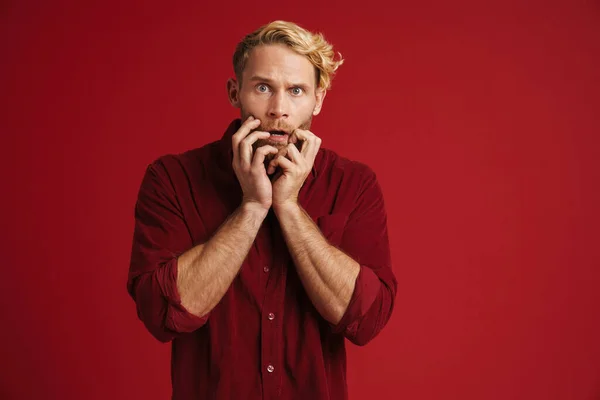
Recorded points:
(249,164)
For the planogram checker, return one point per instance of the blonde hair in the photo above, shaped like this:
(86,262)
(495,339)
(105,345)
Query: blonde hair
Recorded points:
(312,45)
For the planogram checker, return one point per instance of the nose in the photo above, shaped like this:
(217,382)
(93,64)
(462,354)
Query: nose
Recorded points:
(278,105)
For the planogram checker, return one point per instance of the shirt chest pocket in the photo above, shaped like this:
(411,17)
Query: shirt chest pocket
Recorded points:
(332,226)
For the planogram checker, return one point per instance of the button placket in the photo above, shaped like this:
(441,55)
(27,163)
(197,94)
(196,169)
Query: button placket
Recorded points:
(274,275)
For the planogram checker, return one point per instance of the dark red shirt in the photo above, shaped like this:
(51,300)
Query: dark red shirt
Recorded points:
(265,339)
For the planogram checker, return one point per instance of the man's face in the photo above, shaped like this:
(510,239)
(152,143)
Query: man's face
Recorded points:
(279,88)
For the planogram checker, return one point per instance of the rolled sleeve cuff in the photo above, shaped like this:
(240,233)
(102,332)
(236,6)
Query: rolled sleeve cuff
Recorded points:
(178,318)
(366,288)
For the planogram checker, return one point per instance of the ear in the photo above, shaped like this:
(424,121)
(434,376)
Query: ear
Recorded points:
(233,92)
(320,95)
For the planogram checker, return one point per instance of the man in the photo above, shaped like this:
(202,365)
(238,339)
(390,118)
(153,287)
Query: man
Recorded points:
(259,254)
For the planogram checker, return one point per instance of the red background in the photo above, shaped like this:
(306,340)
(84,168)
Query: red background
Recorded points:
(481,120)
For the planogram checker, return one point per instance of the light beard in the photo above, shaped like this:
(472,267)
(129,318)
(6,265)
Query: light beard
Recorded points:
(269,126)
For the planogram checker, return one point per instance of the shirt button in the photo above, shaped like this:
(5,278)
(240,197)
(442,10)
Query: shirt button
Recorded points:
(271,316)
(270,368)
(266,269)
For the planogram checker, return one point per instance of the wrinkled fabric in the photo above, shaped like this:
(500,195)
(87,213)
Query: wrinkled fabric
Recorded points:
(264,339)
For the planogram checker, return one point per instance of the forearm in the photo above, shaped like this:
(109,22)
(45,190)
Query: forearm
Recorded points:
(328,274)
(205,272)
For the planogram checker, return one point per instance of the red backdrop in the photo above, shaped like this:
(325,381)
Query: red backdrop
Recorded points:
(481,122)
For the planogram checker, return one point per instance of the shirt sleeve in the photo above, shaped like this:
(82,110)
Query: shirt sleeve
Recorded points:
(365,239)
(160,236)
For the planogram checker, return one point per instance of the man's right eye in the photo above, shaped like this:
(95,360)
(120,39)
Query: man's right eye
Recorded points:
(262,88)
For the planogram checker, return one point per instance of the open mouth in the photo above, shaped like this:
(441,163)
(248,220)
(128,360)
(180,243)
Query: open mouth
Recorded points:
(279,136)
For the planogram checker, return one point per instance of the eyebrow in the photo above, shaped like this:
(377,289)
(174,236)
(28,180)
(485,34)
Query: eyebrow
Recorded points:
(259,78)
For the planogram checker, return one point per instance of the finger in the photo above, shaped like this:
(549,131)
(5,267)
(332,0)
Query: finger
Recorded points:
(294,154)
(303,136)
(280,161)
(283,152)
(300,144)
(261,153)
(311,144)
(242,132)
(246,146)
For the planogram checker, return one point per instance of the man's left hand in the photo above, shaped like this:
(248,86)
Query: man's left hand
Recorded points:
(295,166)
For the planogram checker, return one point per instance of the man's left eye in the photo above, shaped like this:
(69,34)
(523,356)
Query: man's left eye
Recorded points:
(297,91)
